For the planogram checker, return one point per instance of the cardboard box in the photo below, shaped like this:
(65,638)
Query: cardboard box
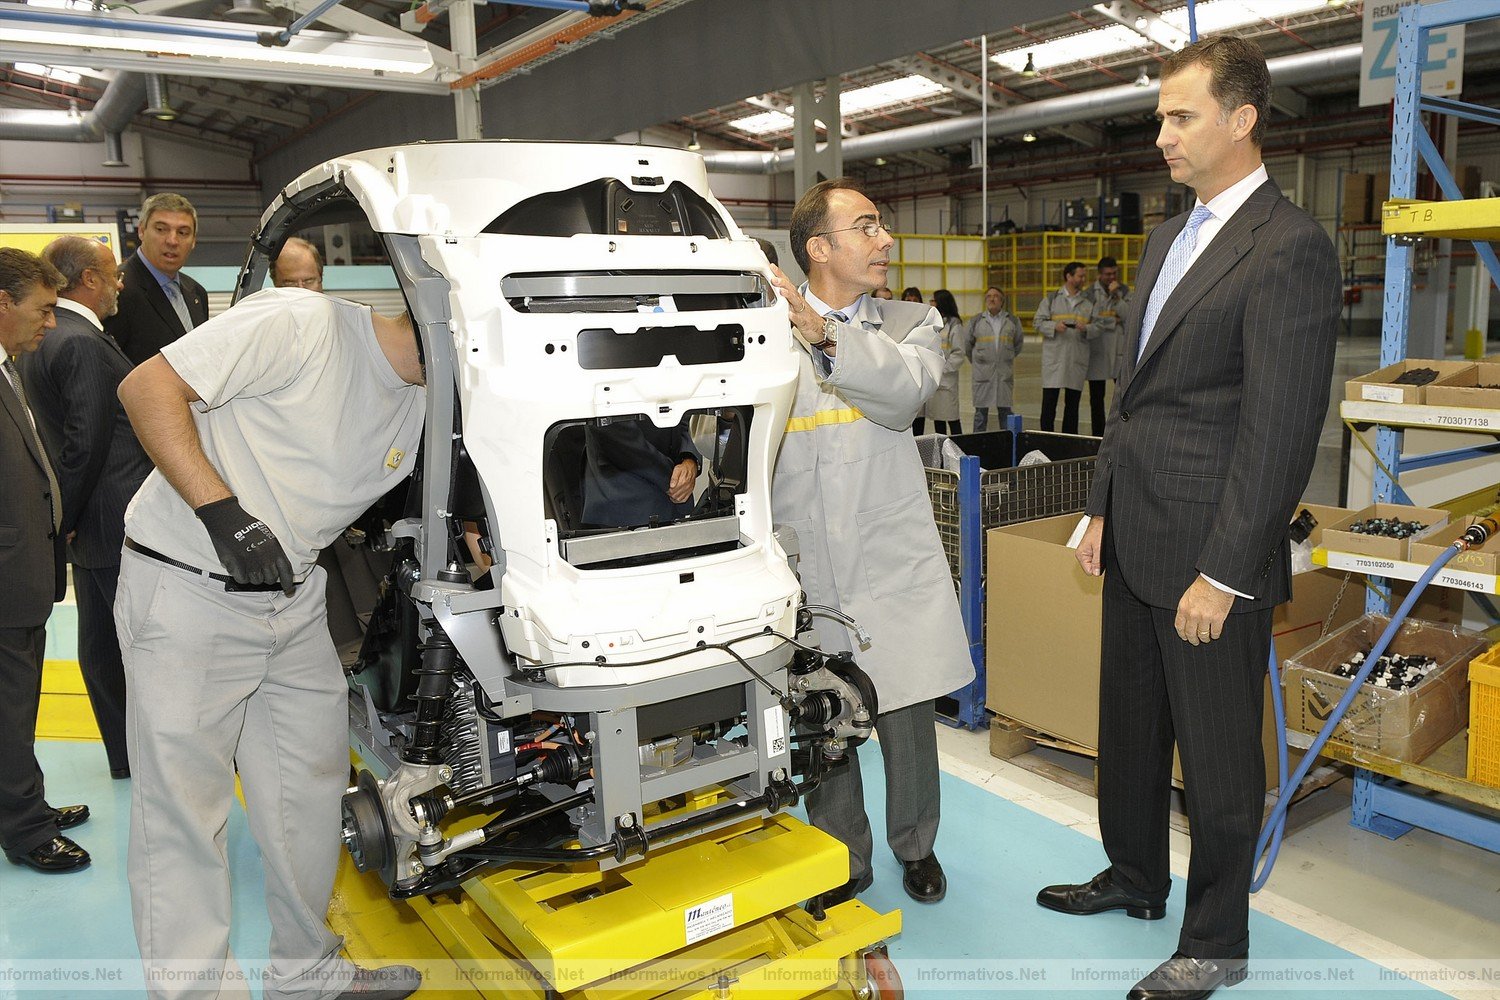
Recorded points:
(1356,198)
(1402,725)
(1462,388)
(1042,644)
(1339,538)
(1484,559)
(1378,386)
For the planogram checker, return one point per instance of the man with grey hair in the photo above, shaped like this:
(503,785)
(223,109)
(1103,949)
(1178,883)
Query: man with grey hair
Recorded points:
(72,380)
(299,265)
(31,563)
(159,303)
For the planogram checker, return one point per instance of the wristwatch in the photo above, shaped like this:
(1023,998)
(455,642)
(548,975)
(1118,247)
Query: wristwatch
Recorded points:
(830,325)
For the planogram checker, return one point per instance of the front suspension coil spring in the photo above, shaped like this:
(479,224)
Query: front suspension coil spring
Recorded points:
(434,685)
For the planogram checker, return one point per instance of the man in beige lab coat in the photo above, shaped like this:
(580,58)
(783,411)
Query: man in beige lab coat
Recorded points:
(849,481)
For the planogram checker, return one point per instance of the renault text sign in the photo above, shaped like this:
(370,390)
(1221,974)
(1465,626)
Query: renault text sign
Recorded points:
(1442,64)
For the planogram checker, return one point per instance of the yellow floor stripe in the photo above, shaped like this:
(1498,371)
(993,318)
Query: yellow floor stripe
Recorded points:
(65,712)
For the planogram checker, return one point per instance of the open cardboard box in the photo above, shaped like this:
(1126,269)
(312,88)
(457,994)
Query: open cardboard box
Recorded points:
(1485,559)
(1379,385)
(1339,538)
(1042,646)
(1462,388)
(1402,725)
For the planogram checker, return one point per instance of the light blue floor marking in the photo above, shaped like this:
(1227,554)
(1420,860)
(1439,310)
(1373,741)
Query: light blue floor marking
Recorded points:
(996,854)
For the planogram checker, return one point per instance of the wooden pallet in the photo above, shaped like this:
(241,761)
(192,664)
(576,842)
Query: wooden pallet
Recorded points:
(1016,742)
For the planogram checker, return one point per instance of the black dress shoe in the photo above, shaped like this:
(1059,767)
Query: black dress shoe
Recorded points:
(1098,895)
(833,897)
(57,855)
(1184,978)
(70,816)
(119,772)
(924,880)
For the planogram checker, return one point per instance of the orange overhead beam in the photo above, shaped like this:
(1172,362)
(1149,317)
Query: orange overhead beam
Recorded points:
(542,47)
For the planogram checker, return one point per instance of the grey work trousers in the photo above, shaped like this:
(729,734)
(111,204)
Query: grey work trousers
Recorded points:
(908,746)
(216,680)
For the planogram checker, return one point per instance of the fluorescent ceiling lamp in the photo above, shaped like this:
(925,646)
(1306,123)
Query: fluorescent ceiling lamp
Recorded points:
(1069,49)
(50,72)
(174,37)
(763,123)
(901,90)
(1222,15)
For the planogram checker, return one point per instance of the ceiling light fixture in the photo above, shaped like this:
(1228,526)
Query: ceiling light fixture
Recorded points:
(1143,79)
(1030,68)
(116,31)
(49,72)
(1028,136)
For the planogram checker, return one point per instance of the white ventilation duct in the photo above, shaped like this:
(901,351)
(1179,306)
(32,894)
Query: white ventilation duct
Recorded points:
(1086,106)
(119,103)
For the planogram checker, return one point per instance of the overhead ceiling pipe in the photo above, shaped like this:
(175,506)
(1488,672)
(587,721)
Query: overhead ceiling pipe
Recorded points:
(119,103)
(1086,106)
(114,150)
(158,104)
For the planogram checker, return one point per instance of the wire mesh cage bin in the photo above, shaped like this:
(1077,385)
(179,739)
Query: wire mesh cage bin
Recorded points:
(1008,492)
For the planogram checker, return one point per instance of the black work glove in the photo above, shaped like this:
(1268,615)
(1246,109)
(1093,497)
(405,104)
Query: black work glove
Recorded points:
(246,547)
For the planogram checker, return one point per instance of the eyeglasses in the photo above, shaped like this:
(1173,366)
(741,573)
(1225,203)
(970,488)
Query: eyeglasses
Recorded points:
(870,229)
(316,284)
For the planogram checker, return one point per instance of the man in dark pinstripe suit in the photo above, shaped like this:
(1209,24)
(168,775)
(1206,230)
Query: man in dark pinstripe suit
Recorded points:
(71,380)
(1215,423)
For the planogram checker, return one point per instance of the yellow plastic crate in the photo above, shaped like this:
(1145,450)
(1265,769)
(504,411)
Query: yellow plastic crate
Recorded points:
(1484,718)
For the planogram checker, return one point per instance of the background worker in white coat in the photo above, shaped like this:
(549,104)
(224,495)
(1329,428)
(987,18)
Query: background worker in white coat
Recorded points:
(942,408)
(849,481)
(1110,296)
(992,340)
(1065,321)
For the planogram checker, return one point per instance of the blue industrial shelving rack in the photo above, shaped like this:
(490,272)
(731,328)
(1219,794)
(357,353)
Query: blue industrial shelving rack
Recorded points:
(1382,804)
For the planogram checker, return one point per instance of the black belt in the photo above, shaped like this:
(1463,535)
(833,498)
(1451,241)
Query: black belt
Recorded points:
(229,582)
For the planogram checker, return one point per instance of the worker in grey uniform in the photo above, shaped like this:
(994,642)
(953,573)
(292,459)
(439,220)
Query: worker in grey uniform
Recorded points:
(849,480)
(1110,296)
(992,340)
(942,406)
(1065,320)
(273,427)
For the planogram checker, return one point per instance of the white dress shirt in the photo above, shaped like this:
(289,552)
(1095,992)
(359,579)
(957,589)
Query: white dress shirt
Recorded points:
(1224,205)
(80,309)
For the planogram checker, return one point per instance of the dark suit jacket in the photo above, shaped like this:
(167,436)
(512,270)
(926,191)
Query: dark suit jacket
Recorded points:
(71,381)
(627,470)
(1214,431)
(31,554)
(146,321)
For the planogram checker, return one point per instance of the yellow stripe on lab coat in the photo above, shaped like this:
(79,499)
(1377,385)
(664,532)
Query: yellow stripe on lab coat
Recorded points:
(823,418)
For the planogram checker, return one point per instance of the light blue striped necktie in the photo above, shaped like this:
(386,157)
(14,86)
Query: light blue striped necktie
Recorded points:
(1172,270)
(179,306)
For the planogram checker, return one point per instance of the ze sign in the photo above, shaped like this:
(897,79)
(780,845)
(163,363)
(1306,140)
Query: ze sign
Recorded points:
(1442,64)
